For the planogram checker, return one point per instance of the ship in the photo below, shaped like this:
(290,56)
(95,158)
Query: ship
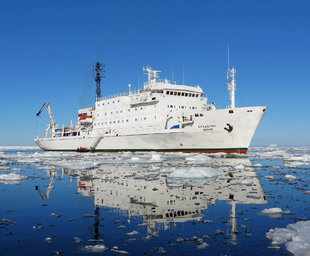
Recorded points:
(163,116)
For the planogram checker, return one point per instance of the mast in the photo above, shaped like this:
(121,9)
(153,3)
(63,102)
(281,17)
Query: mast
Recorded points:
(232,86)
(99,69)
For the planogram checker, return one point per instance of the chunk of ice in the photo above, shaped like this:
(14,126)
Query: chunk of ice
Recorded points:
(202,246)
(198,158)
(116,250)
(274,212)
(156,158)
(295,236)
(194,173)
(289,177)
(269,177)
(48,239)
(132,233)
(12,178)
(239,167)
(98,248)
(77,239)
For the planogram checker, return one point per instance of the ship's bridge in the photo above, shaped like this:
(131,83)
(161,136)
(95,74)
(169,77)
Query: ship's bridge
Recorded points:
(174,89)
(155,84)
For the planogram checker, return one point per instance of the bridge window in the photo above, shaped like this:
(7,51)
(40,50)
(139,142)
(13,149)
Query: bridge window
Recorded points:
(167,92)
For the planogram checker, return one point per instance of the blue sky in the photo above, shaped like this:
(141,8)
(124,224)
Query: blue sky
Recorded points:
(48,48)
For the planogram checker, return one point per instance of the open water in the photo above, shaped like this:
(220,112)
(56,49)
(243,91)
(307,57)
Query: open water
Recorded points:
(55,203)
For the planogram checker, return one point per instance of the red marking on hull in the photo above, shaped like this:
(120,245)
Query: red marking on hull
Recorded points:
(81,149)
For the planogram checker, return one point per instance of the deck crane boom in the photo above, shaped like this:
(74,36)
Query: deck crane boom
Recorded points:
(53,124)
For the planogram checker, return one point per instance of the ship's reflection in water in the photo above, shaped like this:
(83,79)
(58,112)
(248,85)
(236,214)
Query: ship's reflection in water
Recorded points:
(151,191)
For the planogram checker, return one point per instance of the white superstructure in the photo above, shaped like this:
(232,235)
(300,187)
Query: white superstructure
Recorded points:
(163,116)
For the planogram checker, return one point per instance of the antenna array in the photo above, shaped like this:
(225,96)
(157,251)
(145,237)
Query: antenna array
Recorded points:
(99,69)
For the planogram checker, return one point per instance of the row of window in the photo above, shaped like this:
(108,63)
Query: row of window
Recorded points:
(185,94)
(120,121)
(184,107)
(121,111)
(112,102)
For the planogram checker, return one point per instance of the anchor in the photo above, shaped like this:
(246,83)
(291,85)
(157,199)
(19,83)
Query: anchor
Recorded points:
(229,129)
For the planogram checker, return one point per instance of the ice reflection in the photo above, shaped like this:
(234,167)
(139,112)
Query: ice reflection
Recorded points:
(151,192)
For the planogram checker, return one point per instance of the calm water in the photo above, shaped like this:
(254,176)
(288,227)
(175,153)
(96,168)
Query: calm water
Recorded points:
(150,203)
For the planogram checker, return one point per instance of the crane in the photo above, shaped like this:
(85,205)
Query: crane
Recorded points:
(53,124)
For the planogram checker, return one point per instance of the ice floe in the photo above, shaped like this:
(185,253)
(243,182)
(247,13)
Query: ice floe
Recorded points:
(289,177)
(48,239)
(269,177)
(77,239)
(12,178)
(239,167)
(198,158)
(98,248)
(275,212)
(192,173)
(132,233)
(295,237)
(116,250)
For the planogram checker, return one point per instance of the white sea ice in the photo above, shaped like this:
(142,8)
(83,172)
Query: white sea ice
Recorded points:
(275,212)
(269,177)
(48,239)
(76,164)
(132,233)
(280,235)
(12,178)
(239,167)
(77,239)
(116,250)
(202,246)
(295,236)
(156,158)
(135,159)
(193,173)
(289,177)
(198,158)
(98,248)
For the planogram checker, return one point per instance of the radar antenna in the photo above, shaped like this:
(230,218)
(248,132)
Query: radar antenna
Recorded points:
(152,75)
(99,69)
